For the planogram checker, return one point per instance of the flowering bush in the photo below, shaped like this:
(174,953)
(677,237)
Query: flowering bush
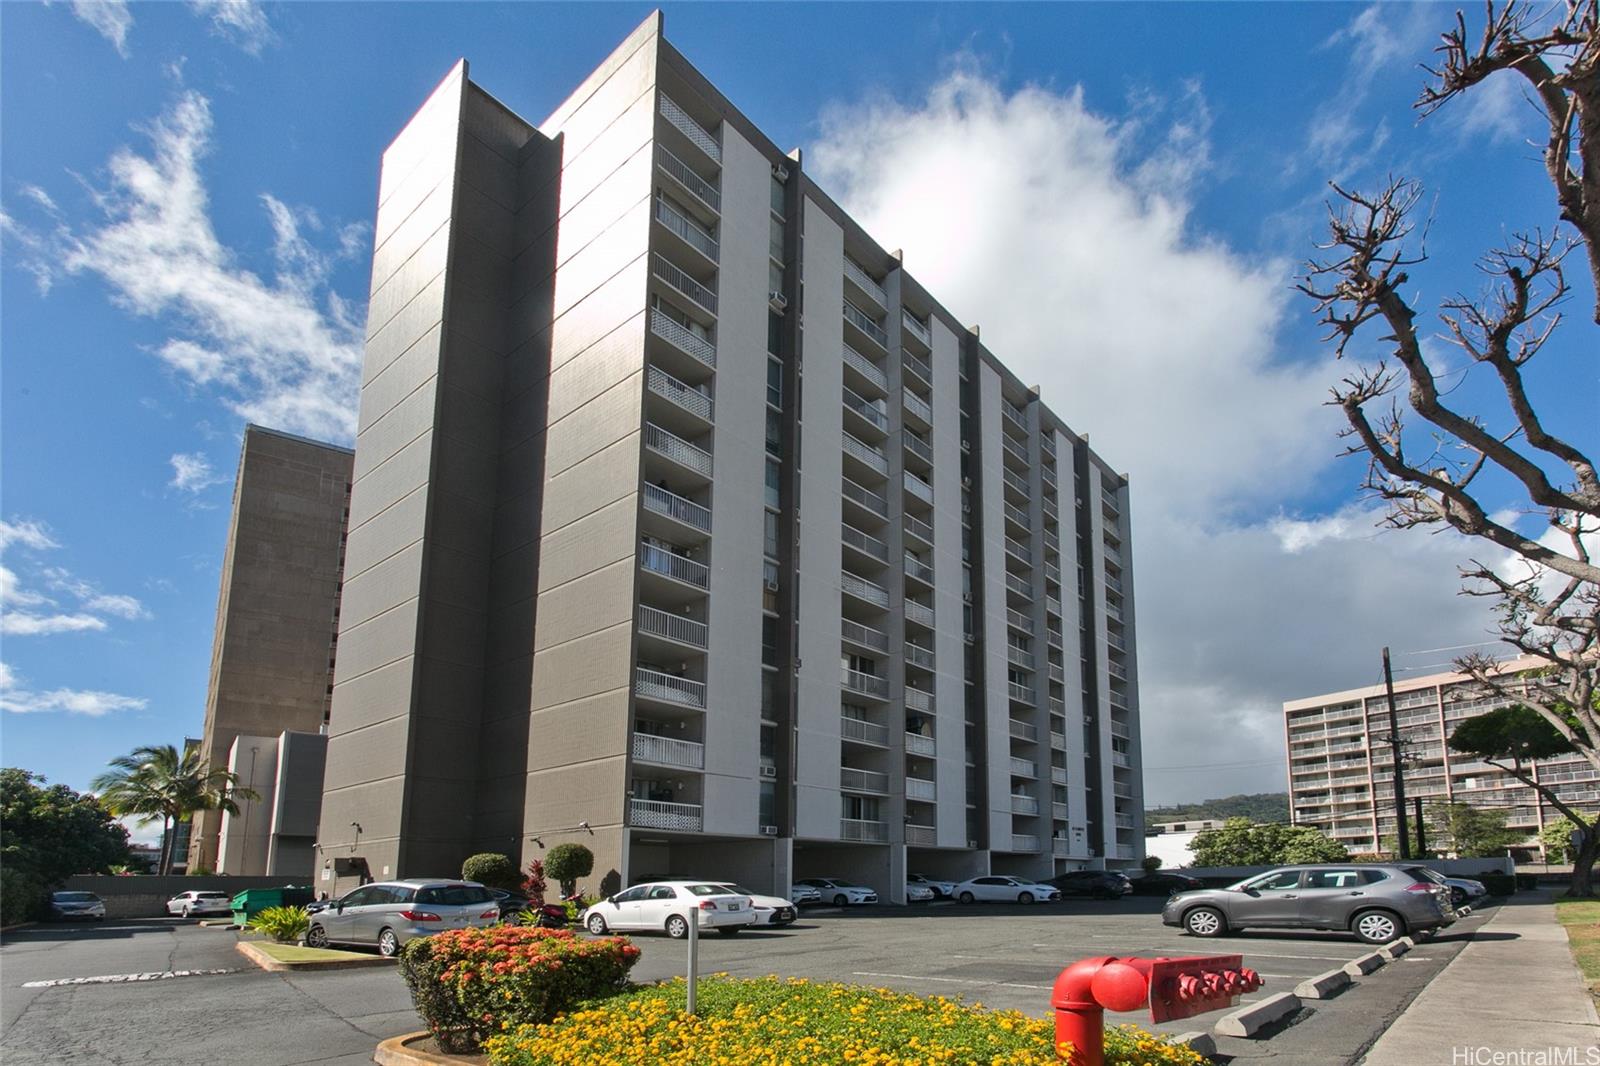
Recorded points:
(768,1021)
(467,983)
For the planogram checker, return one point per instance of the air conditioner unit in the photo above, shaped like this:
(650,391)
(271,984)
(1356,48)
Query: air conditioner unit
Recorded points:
(769,771)
(772,586)
(769,830)
(966,481)
(972,843)
(780,172)
(777,300)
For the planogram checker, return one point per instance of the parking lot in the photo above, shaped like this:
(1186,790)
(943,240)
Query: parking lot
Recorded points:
(1003,956)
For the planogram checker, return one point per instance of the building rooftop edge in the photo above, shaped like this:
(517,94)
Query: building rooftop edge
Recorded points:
(252,427)
(1412,684)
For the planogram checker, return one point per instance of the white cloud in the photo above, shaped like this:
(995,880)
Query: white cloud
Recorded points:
(28,624)
(25,612)
(111,19)
(26,532)
(87,702)
(191,472)
(1499,108)
(121,606)
(241,21)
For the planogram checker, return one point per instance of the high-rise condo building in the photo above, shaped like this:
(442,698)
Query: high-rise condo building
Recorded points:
(688,525)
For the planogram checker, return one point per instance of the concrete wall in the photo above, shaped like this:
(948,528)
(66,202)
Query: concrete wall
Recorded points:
(146,897)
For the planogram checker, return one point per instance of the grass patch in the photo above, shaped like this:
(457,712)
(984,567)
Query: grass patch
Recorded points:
(1581,919)
(298,953)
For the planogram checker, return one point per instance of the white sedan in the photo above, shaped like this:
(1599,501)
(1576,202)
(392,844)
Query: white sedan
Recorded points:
(941,889)
(916,893)
(770,910)
(840,892)
(669,905)
(190,904)
(1001,889)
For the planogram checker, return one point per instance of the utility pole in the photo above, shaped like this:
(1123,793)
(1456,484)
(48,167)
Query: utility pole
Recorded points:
(1422,845)
(1399,772)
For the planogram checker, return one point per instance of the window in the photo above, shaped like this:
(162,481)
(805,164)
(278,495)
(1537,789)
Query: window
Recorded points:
(769,534)
(774,433)
(1333,878)
(777,196)
(775,238)
(663,892)
(861,664)
(774,277)
(635,893)
(773,479)
(859,808)
(769,641)
(775,383)
(1277,882)
(767,812)
(774,333)
(454,895)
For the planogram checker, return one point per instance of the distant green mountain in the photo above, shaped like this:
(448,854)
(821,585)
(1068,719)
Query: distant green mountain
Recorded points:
(1260,807)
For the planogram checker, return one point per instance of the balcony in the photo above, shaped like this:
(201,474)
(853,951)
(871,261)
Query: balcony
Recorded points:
(917,407)
(1016,450)
(866,455)
(865,636)
(1058,741)
(1024,805)
(1047,474)
(1016,482)
(696,133)
(1052,605)
(667,688)
(917,744)
(918,366)
(1019,658)
(1014,414)
(1058,775)
(919,656)
(917,487)
(1051,541)
(1121,790)
(865,282)
(658,560)
(860,829)
(1118,729)
(1019,551)
(919,529)
(862,589)
(682,338)
(1020,693)
(866,684)
(919,700)
(1024,842)
(864,543)
(853,780)
(686,229)
(1119,701)
(685,176)
(866,368)
(920,790)
(673,447)
(1115,642)
(1057,674)
(1016,515)
(918,569)
(1024,768)
(674,627)
(666,502)
(1053,638)
(866,324)
(1017,620)
(1060,847)
(916,328)
(682,283)
(867,410)
(658,814)
(921,836)
(1059,812)
(668,751)
(1019,586)
(686,397)
(862,731)
(917,446)
(1024,731)
(873,503)
(920,613)
(1110,500)
(1124,821)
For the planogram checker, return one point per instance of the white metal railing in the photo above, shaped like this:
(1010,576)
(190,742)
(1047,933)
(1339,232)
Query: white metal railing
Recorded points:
(866,684)
(1019,550)
(669,503)
(866,542)
(921,835)
(1024,842)
(918,788)
(917,655)
(1052,605)
(682,282)
(918,528)
(691,399)
(915,325)
(917,744)
(872,501)
(685,227)
(863,780)
(1018,657)
(858,274)
(918,487)
(861,588)
(1016,481)
(1058,775)
(1121,758)
(1059,812)
(1016,449)
(1124,791)
(1052,572)
(1020,693)
(698,135)
(1019,586)
(1047,504)
(919,613)
(1018,620)
(1016,514)
(919,700)
(917,405)
(658,814)
(865,323)
(866,368)
(917,446)
(1024,768)
(1124,821)
(866,636)
(1024,804)
(866,453)
(677,449)
(1110,499)
(1047,444)
(1053,638)
(1058,707)
(861,829)
(864,731)
(1047,474)
(1057,674)
(1052,541)
(918,569)
(684,175)
(1060,847)
(681,337)
(1113,554)
(669,751)
(1014,414)
(659,560)
(1117,671)
(1058,741)
(654,684)
(1115,641)
(1024,730)
(1117,699)
(918,366)
(866,409)
(659,623)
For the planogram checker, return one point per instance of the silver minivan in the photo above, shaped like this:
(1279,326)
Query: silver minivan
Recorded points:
(389,913)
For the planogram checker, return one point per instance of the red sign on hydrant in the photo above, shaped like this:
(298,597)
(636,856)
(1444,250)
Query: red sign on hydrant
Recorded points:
(1173,988)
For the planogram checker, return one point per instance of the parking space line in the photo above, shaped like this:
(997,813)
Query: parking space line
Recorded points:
(124,978)
(949,980)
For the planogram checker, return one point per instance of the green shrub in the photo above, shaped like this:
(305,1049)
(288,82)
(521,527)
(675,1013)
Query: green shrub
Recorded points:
(576,907)
(283,924)
(769,1019)
(492,869)
(568,862)
(467,983)
(21,897)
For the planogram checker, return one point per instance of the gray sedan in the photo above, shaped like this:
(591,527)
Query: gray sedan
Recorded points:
(389,913)
(1377,902)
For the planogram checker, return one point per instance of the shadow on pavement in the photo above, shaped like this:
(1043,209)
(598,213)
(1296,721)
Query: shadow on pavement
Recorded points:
(110,929)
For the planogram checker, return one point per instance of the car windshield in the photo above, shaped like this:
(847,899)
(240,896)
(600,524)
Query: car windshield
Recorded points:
(211,895)
(76,897)
(847,884)
(740,889)
(708,890)
(454,895)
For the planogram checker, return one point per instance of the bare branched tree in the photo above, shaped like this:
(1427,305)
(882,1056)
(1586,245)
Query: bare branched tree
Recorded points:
(1547,597)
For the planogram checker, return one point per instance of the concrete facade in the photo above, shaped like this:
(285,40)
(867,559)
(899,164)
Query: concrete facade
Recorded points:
(278,608)
(601,569)
(275,833)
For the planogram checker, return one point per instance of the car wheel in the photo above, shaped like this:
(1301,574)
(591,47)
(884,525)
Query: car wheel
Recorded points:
(597,925)
(967,897)
(1205,921)
(840,901)
(730,930)
(186,912)
(316,936)
(1378,927)
(677,927)
(388,944)
(1026,897)
(1458,896)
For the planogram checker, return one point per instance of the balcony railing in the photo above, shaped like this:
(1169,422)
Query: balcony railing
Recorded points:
(916,328)
(675,627)
(1024,731)
(866,636)
(1024,768)
(917,655)
(919,366)
(865,282)
(1024,842)
(866,684)
(872,501)
(1024,804)
(684,175)
(865,323)
(1057,674)
(921,835)
(864,542)
(1020,693)
(680,567)
(658,814)
(1053,638)
(692,232)
(1052,572)
(923,531)
(697,134)
(919,700)
(1017,620)
(1124,821)
(1047,474)
(919,613)
(1118,700)
(863,780)
(1017,514)
(917,744)
(1020,451)
(1014,415)
(686,340)
(1051,541)
(1052,605)
(669,503)
(860,829)
(1020,586)
(681,282)
(859,729)
(917,405)
(918,569)
(866,409)
(669,751)
(685,396)
(653,684)
(1109,499)
(1019,658)
(677,449)
(1016,481)
(866,368)
(1058,775)
(863,589)
(918,487)
(1113,583)
(1018,550)
(920,789)
(1058,741)
(917,446)
(1115,641)
(1121,790)
(1060,847)
(1059,812)
(866,453)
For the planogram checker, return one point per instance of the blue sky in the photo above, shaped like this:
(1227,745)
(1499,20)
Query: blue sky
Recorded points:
(1120,194)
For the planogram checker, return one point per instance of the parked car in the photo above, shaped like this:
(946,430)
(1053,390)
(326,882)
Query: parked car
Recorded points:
(65,906)
(1164,883)
(511,904)
(668,905)
(941,889)
(770,910)
(1100,884)
(916,893)
(192,903)
(389,913)
(1377,902)
(803,894)
(1002,889)
(840,892)
(1465,889)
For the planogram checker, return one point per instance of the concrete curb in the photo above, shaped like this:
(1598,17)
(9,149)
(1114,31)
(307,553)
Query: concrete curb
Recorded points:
(1323,986)
(1248,1021)
(1395,948)
(1364,964)
(267,962)
(1197,1042)
(401,1051)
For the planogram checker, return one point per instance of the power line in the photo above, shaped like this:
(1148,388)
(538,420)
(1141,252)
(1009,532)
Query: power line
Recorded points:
(1215,766)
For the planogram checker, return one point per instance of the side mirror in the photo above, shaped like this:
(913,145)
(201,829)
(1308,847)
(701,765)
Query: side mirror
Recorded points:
(611,900)
(338,908)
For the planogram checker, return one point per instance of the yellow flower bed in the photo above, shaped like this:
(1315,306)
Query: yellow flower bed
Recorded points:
(773,1022)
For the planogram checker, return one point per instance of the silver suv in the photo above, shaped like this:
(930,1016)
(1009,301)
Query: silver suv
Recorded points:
(1377,902)
(389,913)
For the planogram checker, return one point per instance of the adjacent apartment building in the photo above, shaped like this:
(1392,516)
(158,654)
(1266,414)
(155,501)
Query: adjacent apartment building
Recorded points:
(687,524)
(272,656)
(1341,765)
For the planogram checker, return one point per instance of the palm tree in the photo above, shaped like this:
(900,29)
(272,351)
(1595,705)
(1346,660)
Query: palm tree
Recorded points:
(157,782)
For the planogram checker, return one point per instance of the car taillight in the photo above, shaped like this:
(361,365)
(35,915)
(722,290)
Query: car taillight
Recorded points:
(494,913)
(1422,886)
(420,916)
(707,905)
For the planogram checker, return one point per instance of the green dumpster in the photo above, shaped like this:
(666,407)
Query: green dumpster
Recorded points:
(252,901)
